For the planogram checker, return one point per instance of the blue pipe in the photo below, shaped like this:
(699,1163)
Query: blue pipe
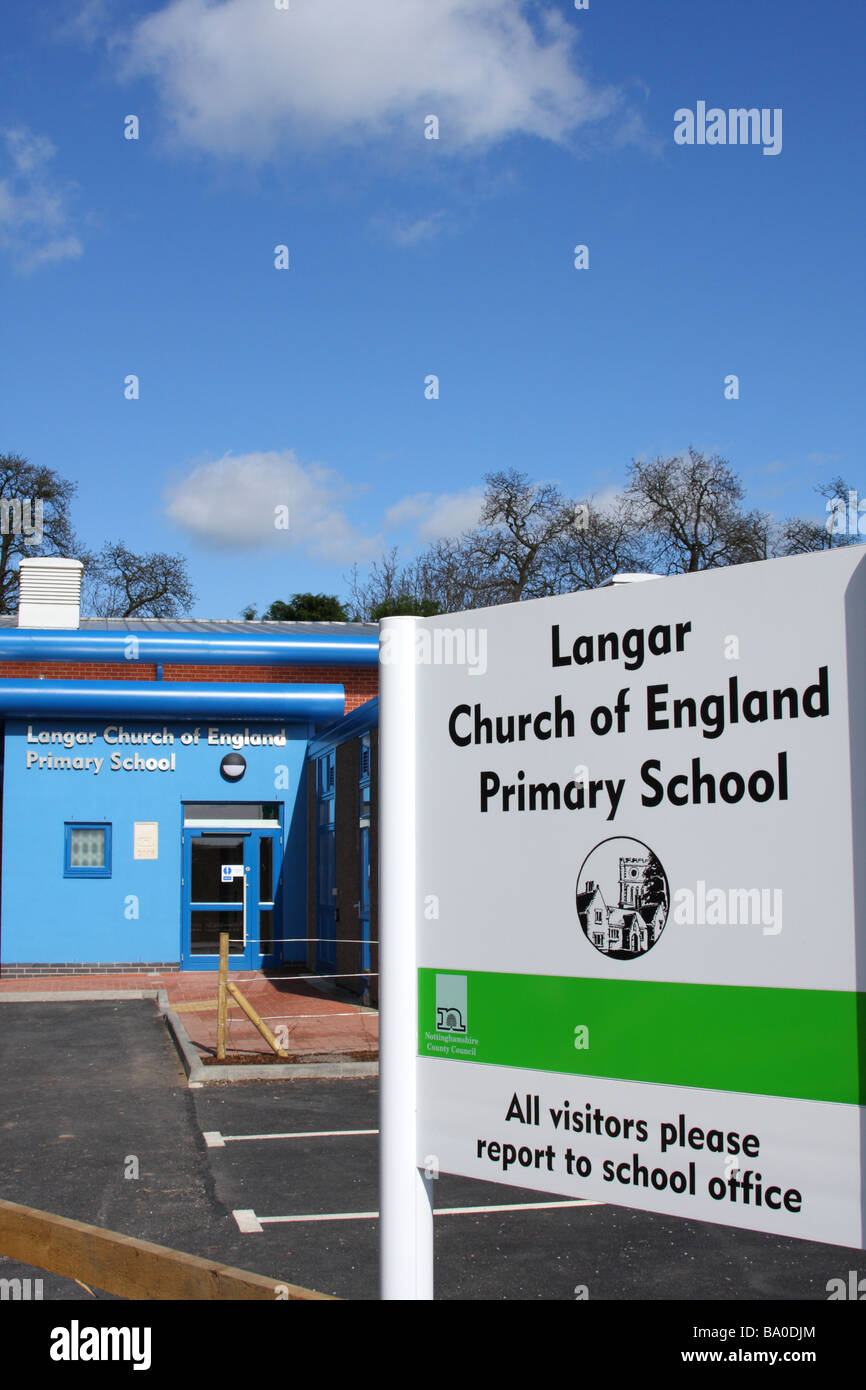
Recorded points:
(189,649)
(170,700)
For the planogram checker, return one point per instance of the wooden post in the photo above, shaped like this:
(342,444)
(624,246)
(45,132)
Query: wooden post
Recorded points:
(256,1020)
(222,1001)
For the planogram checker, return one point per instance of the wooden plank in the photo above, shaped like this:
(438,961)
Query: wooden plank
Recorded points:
(203,1006)
(256,1021)
(129,1267)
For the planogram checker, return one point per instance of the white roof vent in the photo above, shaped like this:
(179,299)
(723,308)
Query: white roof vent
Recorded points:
(49,592)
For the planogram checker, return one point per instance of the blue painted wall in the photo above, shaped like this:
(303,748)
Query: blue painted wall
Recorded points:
(46,917)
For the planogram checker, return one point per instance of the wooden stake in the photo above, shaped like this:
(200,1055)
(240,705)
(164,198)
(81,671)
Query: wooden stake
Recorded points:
(256,1020)
(221,1005)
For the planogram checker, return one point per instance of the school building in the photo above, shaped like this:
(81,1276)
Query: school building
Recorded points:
(165,781)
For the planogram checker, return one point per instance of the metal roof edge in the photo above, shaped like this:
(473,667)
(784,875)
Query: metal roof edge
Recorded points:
(357,722)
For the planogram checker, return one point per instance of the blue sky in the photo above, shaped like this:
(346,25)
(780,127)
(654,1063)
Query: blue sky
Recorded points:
(409,257)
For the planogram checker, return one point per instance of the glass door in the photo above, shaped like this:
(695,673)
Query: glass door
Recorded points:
(326,865)
(230,883)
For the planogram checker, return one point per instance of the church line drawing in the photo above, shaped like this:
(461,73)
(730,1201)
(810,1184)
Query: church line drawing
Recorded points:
(635,924)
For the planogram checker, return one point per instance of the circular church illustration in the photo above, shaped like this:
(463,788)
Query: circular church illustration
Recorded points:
(622,898)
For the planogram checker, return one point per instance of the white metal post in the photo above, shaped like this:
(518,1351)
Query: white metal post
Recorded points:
(405,1193)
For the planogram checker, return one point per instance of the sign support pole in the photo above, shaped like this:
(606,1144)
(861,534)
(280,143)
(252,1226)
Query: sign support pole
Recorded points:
(405,1191)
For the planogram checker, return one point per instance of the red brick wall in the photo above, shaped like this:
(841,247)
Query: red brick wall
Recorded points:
(361,682)
(85,671)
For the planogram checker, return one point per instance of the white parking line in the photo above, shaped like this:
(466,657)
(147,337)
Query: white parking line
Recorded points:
(215,1140)
(250,1224)
(247,1222)
(515,1206)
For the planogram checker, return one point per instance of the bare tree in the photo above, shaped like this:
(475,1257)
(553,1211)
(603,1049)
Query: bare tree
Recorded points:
(380,585)
(676,515)
(601,542)
(120,584)
(802,535)
(507,556)
(689,512)
(454,574)
(531,541)
(516,541)
(34,520)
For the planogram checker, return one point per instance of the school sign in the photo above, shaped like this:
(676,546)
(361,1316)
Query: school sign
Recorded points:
(640,895)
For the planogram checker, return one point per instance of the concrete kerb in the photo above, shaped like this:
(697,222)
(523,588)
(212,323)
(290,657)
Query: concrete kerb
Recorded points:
(197,1074)
(71,996)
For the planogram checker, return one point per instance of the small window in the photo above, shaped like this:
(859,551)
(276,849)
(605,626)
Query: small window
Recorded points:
(364,781)
(87,851)
(327,768)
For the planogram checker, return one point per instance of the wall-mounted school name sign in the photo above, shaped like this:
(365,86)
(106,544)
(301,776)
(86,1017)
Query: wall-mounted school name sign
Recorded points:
(131,748)
(641,889)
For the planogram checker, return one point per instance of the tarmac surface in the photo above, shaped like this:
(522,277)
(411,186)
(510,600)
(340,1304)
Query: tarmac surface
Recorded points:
(91,1093)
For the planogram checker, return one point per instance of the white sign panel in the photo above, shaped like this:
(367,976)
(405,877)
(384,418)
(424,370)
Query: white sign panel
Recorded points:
(641,908)
(230,871)
(145,840)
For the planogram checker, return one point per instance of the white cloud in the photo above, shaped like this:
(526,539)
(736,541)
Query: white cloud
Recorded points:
(240,77)
(88,23)
(234,504)
(436,514)
(823,460)
(35,223)
(27,150)
(403,231)
(601,501)
(67,248)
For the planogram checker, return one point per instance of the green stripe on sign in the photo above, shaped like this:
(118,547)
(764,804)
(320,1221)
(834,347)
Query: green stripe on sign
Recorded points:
(804,1043)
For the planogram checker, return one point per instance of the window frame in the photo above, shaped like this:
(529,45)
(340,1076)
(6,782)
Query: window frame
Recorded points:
(365,780)
(71,870)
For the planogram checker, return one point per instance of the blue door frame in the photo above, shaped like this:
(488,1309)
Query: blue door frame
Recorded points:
(364,915)
(364,793)
(326,904)
(231,881)
(326,863)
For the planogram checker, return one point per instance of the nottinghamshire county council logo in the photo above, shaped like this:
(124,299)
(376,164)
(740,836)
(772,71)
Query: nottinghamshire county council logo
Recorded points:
(451,1004)
(622,898)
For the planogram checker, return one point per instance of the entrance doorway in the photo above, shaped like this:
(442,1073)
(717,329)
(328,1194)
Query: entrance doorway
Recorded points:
(232,862)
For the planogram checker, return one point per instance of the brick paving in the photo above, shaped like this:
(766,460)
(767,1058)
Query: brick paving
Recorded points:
(319,1022)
